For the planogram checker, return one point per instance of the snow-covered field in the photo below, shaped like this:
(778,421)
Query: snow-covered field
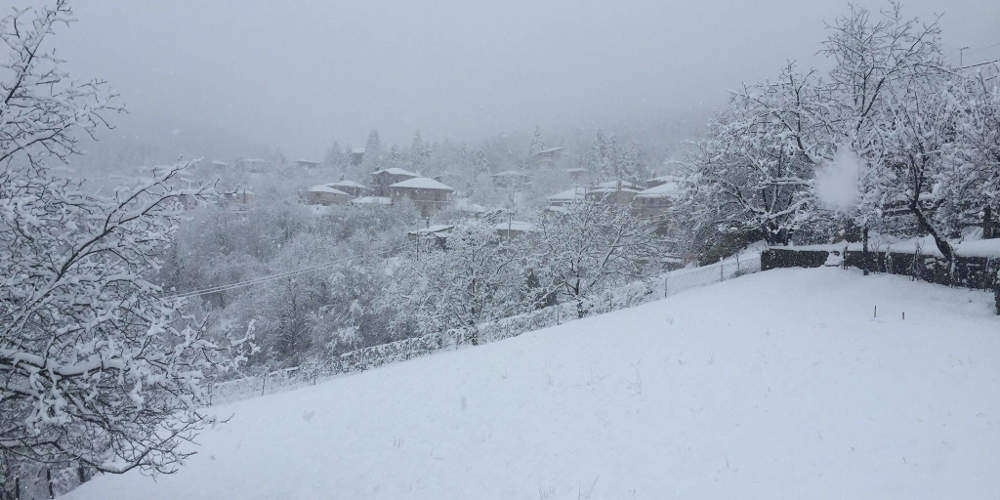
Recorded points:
(774,385)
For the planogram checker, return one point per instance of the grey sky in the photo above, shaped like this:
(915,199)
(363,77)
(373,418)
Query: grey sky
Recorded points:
(297,74)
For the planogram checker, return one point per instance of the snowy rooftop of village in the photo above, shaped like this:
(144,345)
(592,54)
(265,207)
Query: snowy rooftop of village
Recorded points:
(347,183)
(325,188)
(665,190)
(510,173)
(422,183)
(395,171)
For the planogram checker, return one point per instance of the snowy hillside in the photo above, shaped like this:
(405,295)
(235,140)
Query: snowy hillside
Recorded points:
(775,385)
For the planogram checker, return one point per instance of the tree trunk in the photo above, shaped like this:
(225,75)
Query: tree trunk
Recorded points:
(987,222)
(865,256)
(942,245)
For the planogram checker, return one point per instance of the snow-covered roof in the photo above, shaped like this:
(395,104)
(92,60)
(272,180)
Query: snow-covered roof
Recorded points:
(347,183)
(358,151)
(665,190)
(510,173)
(324,188)
(465,205)
(576,193)
(372,200)
(575,170)
(516,225)
(219,163)
(436,228)
(422,183)
(664,178)
(306,162)
(395,171)
(549,150)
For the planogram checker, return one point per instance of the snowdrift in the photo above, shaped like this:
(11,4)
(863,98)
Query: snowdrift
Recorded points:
(782,384)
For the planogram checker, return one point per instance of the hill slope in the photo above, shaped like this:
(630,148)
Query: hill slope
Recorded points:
(775,385)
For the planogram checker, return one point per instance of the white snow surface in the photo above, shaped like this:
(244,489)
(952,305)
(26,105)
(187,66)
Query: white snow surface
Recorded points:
(775,385)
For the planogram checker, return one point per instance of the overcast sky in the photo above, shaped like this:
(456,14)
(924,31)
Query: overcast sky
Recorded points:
(297,74)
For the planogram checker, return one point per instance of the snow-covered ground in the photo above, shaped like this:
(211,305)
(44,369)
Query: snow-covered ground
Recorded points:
(774,385)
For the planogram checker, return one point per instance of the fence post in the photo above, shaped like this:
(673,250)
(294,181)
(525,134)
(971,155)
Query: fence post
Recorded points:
(721,276)
(263,384)
(737,263)
(666,280)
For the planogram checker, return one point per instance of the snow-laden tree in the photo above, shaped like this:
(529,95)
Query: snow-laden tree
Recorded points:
(96,367)
(758,160)
(971,187)
(591,246)
(473,279)
(537,142)
(602,160)
(881,62)
(923,134)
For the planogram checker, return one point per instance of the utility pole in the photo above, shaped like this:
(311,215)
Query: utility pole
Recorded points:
(961,55)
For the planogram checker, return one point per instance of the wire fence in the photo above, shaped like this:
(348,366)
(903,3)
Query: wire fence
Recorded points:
(367,358)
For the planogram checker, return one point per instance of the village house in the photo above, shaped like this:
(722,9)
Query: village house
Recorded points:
(323,194)
(350,187)
(427,194)
(547,157)
(661,179)
(306,163)
(357,156)
(434,235)
(654,204)
(511,179)
(576,174)
(383,178)
(467,208)
(253,164)
(515,229)
(618,193)
(568,197)
(238,200)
